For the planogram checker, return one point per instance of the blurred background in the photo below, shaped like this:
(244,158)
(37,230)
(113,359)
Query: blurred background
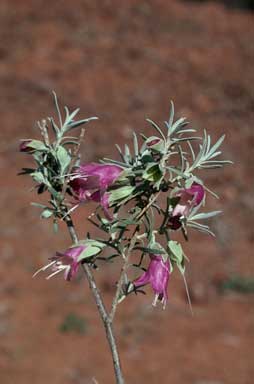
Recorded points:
(123,62)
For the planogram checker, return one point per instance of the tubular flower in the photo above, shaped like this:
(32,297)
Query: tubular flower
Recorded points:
(66,261)
(189,198)
(157,274)
(90,182)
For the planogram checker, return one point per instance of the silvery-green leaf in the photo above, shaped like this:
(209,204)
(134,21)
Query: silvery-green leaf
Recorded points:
(176,251)
(63,157)
(70,116)
(47,213)
(37,145)
(177,125)
(177,172)
(110,161)
(39,177)
(55,128)
(58,109)
(76,124)
(157,128)
(93,247)
(39,205)
(135,144)
(205,215)
(200,227)
(171,118)
(120,193)
(89,252)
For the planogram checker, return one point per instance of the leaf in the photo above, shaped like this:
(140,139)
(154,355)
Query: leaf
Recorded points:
(205,215)
(171,118)
(177,172)
(152,173)
(39,205)
(216,145)
(93,247)
(69,117)
(39,177)
(177,125)
(157,128)
(200,227)
(135,144)
(26,171)
(76,124)
(55,128)
(120,193)
(37,145)
(47,213)
(176,252)
(58,109)
(89,252)
(154,251)
(110,161)
(147,157)
(63,157)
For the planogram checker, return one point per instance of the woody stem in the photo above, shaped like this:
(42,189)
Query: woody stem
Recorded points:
(101,308)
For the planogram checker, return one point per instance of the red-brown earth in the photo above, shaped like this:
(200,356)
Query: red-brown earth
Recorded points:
(124,61)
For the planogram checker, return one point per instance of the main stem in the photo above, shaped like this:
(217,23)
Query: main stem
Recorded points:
(101,308)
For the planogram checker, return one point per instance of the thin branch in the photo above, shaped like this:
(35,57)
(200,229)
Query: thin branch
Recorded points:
(152,200)
(101,308)
(122,275)
(74,158)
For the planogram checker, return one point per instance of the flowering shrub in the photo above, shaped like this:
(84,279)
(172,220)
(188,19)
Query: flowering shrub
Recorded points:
(141,200)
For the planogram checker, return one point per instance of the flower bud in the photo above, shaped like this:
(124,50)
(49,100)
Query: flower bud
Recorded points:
(24,146)
(155,143)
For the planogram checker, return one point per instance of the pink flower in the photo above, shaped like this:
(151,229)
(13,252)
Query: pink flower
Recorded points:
(157,275)
(66,261)
(90,182)
(189,198)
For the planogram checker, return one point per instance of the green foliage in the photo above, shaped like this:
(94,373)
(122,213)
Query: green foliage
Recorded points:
(176,254)
(156,170)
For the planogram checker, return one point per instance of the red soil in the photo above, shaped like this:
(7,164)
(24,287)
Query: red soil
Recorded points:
(124,61)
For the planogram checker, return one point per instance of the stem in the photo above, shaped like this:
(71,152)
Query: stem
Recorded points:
(122,274)
(152,200)
(101,308)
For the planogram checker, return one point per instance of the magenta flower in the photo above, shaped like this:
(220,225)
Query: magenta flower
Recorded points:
(90,182)
(189,198)
(66,261)
(157,274)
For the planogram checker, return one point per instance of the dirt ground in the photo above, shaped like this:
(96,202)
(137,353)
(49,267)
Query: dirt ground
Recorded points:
(124,61)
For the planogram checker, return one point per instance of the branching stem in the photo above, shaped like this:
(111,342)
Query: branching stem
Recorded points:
(122,274)
(101,308)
